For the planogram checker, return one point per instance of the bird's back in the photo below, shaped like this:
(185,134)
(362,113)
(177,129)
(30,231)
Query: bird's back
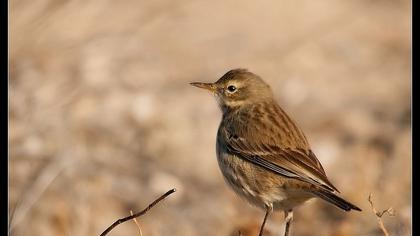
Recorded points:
(264,133)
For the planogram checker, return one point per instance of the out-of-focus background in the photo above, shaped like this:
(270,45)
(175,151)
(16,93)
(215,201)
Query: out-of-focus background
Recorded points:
(103,120)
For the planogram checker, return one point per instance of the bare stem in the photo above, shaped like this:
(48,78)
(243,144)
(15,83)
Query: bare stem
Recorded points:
(137,224)
(379,215)
(139,213)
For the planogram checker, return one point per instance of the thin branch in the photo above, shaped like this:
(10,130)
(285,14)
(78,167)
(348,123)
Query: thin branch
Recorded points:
(379,215)
(137,223)
(139,213)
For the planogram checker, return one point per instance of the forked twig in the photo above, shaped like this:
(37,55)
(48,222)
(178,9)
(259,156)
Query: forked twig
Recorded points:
(390,211)
(137,224)
(139,213)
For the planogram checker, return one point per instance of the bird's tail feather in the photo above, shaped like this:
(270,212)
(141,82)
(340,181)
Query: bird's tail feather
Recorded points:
(336,200)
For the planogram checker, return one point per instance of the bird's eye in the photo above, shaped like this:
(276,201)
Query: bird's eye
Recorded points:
(231,88)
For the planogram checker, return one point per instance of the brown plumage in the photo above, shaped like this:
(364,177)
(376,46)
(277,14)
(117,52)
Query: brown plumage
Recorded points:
(262,153)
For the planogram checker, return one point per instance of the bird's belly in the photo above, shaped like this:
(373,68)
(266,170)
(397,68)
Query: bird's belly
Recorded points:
(258,186)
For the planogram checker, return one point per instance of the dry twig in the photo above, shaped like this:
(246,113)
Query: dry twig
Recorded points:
(379,215)
(139,213)
(137,223)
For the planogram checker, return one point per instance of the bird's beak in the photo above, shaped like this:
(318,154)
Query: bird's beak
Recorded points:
(208,86)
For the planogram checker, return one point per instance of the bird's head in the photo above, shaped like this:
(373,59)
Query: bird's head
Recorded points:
(237,88)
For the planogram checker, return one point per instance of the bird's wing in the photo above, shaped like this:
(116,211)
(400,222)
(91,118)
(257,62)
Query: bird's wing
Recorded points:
(270,153)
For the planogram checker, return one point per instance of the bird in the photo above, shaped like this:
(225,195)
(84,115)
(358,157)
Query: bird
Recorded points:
(262,153)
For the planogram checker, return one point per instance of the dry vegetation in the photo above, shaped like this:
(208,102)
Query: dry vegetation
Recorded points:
(102,119)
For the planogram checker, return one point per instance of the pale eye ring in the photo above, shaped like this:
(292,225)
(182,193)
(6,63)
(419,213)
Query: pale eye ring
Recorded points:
(231,88)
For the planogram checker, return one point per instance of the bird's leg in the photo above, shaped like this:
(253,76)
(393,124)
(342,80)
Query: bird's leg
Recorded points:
(268,210)
(288,216)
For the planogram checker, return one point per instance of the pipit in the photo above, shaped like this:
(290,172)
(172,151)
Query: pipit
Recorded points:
(263,155)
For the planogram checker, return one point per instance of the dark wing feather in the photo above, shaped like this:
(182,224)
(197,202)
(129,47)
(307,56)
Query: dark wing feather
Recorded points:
(266,144)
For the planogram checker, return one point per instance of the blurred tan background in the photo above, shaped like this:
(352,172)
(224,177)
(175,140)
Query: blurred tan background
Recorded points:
(103,120)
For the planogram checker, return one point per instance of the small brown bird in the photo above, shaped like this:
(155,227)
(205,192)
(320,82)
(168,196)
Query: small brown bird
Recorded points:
(262,153)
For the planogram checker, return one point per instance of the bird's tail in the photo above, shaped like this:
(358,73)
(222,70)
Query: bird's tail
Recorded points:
(336,200)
